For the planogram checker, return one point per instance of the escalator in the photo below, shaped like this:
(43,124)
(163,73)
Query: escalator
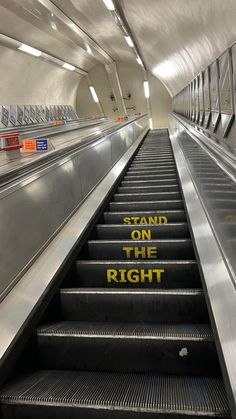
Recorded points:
(128,334)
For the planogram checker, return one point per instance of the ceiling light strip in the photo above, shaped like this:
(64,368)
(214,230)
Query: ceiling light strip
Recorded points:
(109,5)
(30,50)
(146,89)
(94,94)
(15,44)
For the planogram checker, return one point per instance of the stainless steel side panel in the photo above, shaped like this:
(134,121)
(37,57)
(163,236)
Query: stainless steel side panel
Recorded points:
(218,282)
(35,207)
(30,290)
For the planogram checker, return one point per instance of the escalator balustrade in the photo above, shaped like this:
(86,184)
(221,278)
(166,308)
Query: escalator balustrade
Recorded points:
(132,336)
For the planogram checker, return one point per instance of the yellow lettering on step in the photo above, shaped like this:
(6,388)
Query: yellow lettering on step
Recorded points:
(151,252)
(135,276)
(163,219)
(127,251)
(141,235)
(112,275)
(126,220)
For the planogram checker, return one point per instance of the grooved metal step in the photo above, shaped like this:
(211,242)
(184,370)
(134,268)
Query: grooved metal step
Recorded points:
(146,166)
(127,217)
(128,305)
(147,205)
(139,347)
(49,394)
(149,183)
(142,232)
(152,196)
(140,249)
(153,159)
(156,170)
(151,274)
(160,177)
(148,188)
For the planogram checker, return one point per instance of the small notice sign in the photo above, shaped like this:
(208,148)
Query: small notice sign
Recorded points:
(32,144)
(42,145)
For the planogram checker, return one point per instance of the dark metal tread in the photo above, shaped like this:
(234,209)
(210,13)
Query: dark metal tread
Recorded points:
(149,291)
(119,392)
(127,330)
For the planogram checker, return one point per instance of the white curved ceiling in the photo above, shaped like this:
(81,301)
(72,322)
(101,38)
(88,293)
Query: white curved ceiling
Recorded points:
(176,38)
(179,38)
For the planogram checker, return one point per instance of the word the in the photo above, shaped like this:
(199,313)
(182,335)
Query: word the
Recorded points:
(140,252)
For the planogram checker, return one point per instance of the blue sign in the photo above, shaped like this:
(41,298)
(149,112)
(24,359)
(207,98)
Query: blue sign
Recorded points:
(42,145)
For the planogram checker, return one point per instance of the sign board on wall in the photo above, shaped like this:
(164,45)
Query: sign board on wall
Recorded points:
(35,145)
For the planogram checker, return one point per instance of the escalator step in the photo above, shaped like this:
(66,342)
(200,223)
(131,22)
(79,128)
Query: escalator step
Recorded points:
(149,182)
(146,166)
(128,305)
(151,196)
(153,159)
(128,347)
(147,176)
(130,216)
(50,394)
(142,231)
(149,188)
(140,249)
(156,171)
(147,205)
(144,274)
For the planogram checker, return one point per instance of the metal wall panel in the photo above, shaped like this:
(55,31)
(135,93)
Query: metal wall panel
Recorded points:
(35,207)
(94,163)
(215,97)
(32,212)
(226,91)
(201,99)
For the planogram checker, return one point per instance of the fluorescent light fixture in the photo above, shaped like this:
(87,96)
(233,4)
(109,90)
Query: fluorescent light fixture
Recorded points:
(68,66)
(150,123)
(94,94)
(129,41)
(53,26)
(109,5)
(30,50)
(88,49)
(146,89)
(139,60)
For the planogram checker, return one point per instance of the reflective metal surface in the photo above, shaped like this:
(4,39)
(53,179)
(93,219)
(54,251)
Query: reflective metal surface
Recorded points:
(61,142)
(217,93)
(16,308)
(210,199)
(35,206)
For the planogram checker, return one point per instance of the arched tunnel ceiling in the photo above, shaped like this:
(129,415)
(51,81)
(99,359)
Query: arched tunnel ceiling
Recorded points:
(176,38)
(179,38)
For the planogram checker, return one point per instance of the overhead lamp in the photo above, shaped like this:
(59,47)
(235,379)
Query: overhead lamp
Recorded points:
(150,123)
(53,26)
(146,89)
(109,5)
(139,60)
(129,41)
(94,94)
(68,66)
(30,50)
